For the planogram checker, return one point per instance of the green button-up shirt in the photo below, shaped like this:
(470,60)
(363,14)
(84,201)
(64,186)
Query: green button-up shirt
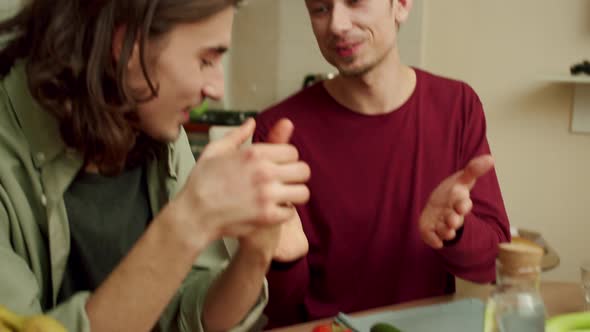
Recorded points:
(36,168)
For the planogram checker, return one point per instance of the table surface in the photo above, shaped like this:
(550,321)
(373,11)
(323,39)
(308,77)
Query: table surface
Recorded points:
(559,298)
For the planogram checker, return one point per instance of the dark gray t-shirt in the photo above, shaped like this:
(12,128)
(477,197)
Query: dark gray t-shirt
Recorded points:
(107,215)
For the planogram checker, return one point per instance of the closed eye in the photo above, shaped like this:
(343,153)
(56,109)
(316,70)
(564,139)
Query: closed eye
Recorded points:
(206,63)
(212,56)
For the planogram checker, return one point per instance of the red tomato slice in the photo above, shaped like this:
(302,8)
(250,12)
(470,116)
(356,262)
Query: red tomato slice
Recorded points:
(323,328)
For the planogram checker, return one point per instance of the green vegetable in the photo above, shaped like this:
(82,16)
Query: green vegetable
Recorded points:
(384,327)
(200,110)
(579,321)
(489,322)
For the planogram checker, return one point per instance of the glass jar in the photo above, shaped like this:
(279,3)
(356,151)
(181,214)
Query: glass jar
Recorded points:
(516,301)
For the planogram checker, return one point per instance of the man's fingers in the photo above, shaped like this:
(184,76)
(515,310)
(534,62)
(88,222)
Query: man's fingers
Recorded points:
(281,132)
(275,214)
(298,172)
(231,140)
(431,239)
(476,168)
(443,231)
(293,194)
(239,135)
(277,153)
(277,193)
(288,171)
(463,207)
(453,221)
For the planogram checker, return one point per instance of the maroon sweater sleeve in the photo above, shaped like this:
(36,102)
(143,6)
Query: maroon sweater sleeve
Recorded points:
(472,255)
(288,282)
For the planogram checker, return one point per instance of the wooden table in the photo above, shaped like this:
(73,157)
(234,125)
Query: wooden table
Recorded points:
(559,297)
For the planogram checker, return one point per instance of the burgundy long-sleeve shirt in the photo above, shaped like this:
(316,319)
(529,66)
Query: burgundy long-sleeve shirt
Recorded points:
(371,178)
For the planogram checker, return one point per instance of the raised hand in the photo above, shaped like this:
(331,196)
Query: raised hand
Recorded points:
(293,243)
(286,241)
(232,191)
(450,202)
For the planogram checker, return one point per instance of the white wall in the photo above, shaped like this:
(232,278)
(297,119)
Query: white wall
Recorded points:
(298,52)
(411,36)
(253,56)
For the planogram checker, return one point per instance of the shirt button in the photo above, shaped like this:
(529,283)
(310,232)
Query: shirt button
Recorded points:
(40,157)
(43,200)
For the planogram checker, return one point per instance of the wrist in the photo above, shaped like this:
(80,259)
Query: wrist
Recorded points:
(255,255)
(183,226)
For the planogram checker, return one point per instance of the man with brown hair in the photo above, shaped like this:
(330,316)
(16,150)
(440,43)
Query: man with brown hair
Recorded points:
(106,223)
(395,212)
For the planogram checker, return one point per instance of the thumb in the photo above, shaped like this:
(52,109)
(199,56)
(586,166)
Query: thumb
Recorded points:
(476,168)
(232,140)
(238,136)
(281,132)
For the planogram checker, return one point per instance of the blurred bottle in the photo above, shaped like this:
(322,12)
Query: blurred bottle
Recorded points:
(516,304)
(311,79)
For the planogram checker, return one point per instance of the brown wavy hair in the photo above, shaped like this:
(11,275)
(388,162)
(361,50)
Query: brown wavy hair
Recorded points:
(67,48)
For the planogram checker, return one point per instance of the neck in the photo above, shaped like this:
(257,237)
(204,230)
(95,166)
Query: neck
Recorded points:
(382,89)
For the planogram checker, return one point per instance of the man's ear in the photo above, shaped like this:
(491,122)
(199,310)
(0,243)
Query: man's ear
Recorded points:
(401,9)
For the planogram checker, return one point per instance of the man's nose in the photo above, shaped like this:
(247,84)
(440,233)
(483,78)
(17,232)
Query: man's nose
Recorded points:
(340,20)
(214,87)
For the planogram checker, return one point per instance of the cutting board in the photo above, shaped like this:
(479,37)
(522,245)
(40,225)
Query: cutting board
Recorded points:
(459,316)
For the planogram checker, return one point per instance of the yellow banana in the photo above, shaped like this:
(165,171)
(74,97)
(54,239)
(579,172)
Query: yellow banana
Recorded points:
(36,323)
(42,323)
(5,328)
(10,319)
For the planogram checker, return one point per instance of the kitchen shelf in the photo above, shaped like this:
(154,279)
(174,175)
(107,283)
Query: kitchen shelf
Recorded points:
(581,105)
(579,79)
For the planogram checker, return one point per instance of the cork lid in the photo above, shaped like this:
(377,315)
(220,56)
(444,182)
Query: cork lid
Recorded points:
(519,258)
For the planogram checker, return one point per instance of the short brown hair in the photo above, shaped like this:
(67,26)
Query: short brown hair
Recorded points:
(67,46)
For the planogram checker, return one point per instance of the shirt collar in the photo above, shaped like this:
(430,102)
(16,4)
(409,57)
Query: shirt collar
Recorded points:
(40,127)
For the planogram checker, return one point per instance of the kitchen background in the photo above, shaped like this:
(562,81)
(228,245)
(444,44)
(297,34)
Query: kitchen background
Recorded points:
(516,54)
